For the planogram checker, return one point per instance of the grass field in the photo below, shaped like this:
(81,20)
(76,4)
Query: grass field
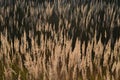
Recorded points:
(59,40)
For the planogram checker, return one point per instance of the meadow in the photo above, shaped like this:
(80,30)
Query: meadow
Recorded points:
(59,40)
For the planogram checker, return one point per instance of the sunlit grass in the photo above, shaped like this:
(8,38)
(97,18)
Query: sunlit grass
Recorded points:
(59,42)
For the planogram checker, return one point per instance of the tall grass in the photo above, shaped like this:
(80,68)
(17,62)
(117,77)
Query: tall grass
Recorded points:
(59,41)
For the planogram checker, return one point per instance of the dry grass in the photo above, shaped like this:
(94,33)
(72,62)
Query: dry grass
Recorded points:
(52,41)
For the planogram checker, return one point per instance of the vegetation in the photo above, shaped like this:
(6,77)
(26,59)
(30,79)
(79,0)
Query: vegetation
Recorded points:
(59,40)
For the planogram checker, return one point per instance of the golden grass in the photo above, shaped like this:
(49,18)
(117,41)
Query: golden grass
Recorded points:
(53,58)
